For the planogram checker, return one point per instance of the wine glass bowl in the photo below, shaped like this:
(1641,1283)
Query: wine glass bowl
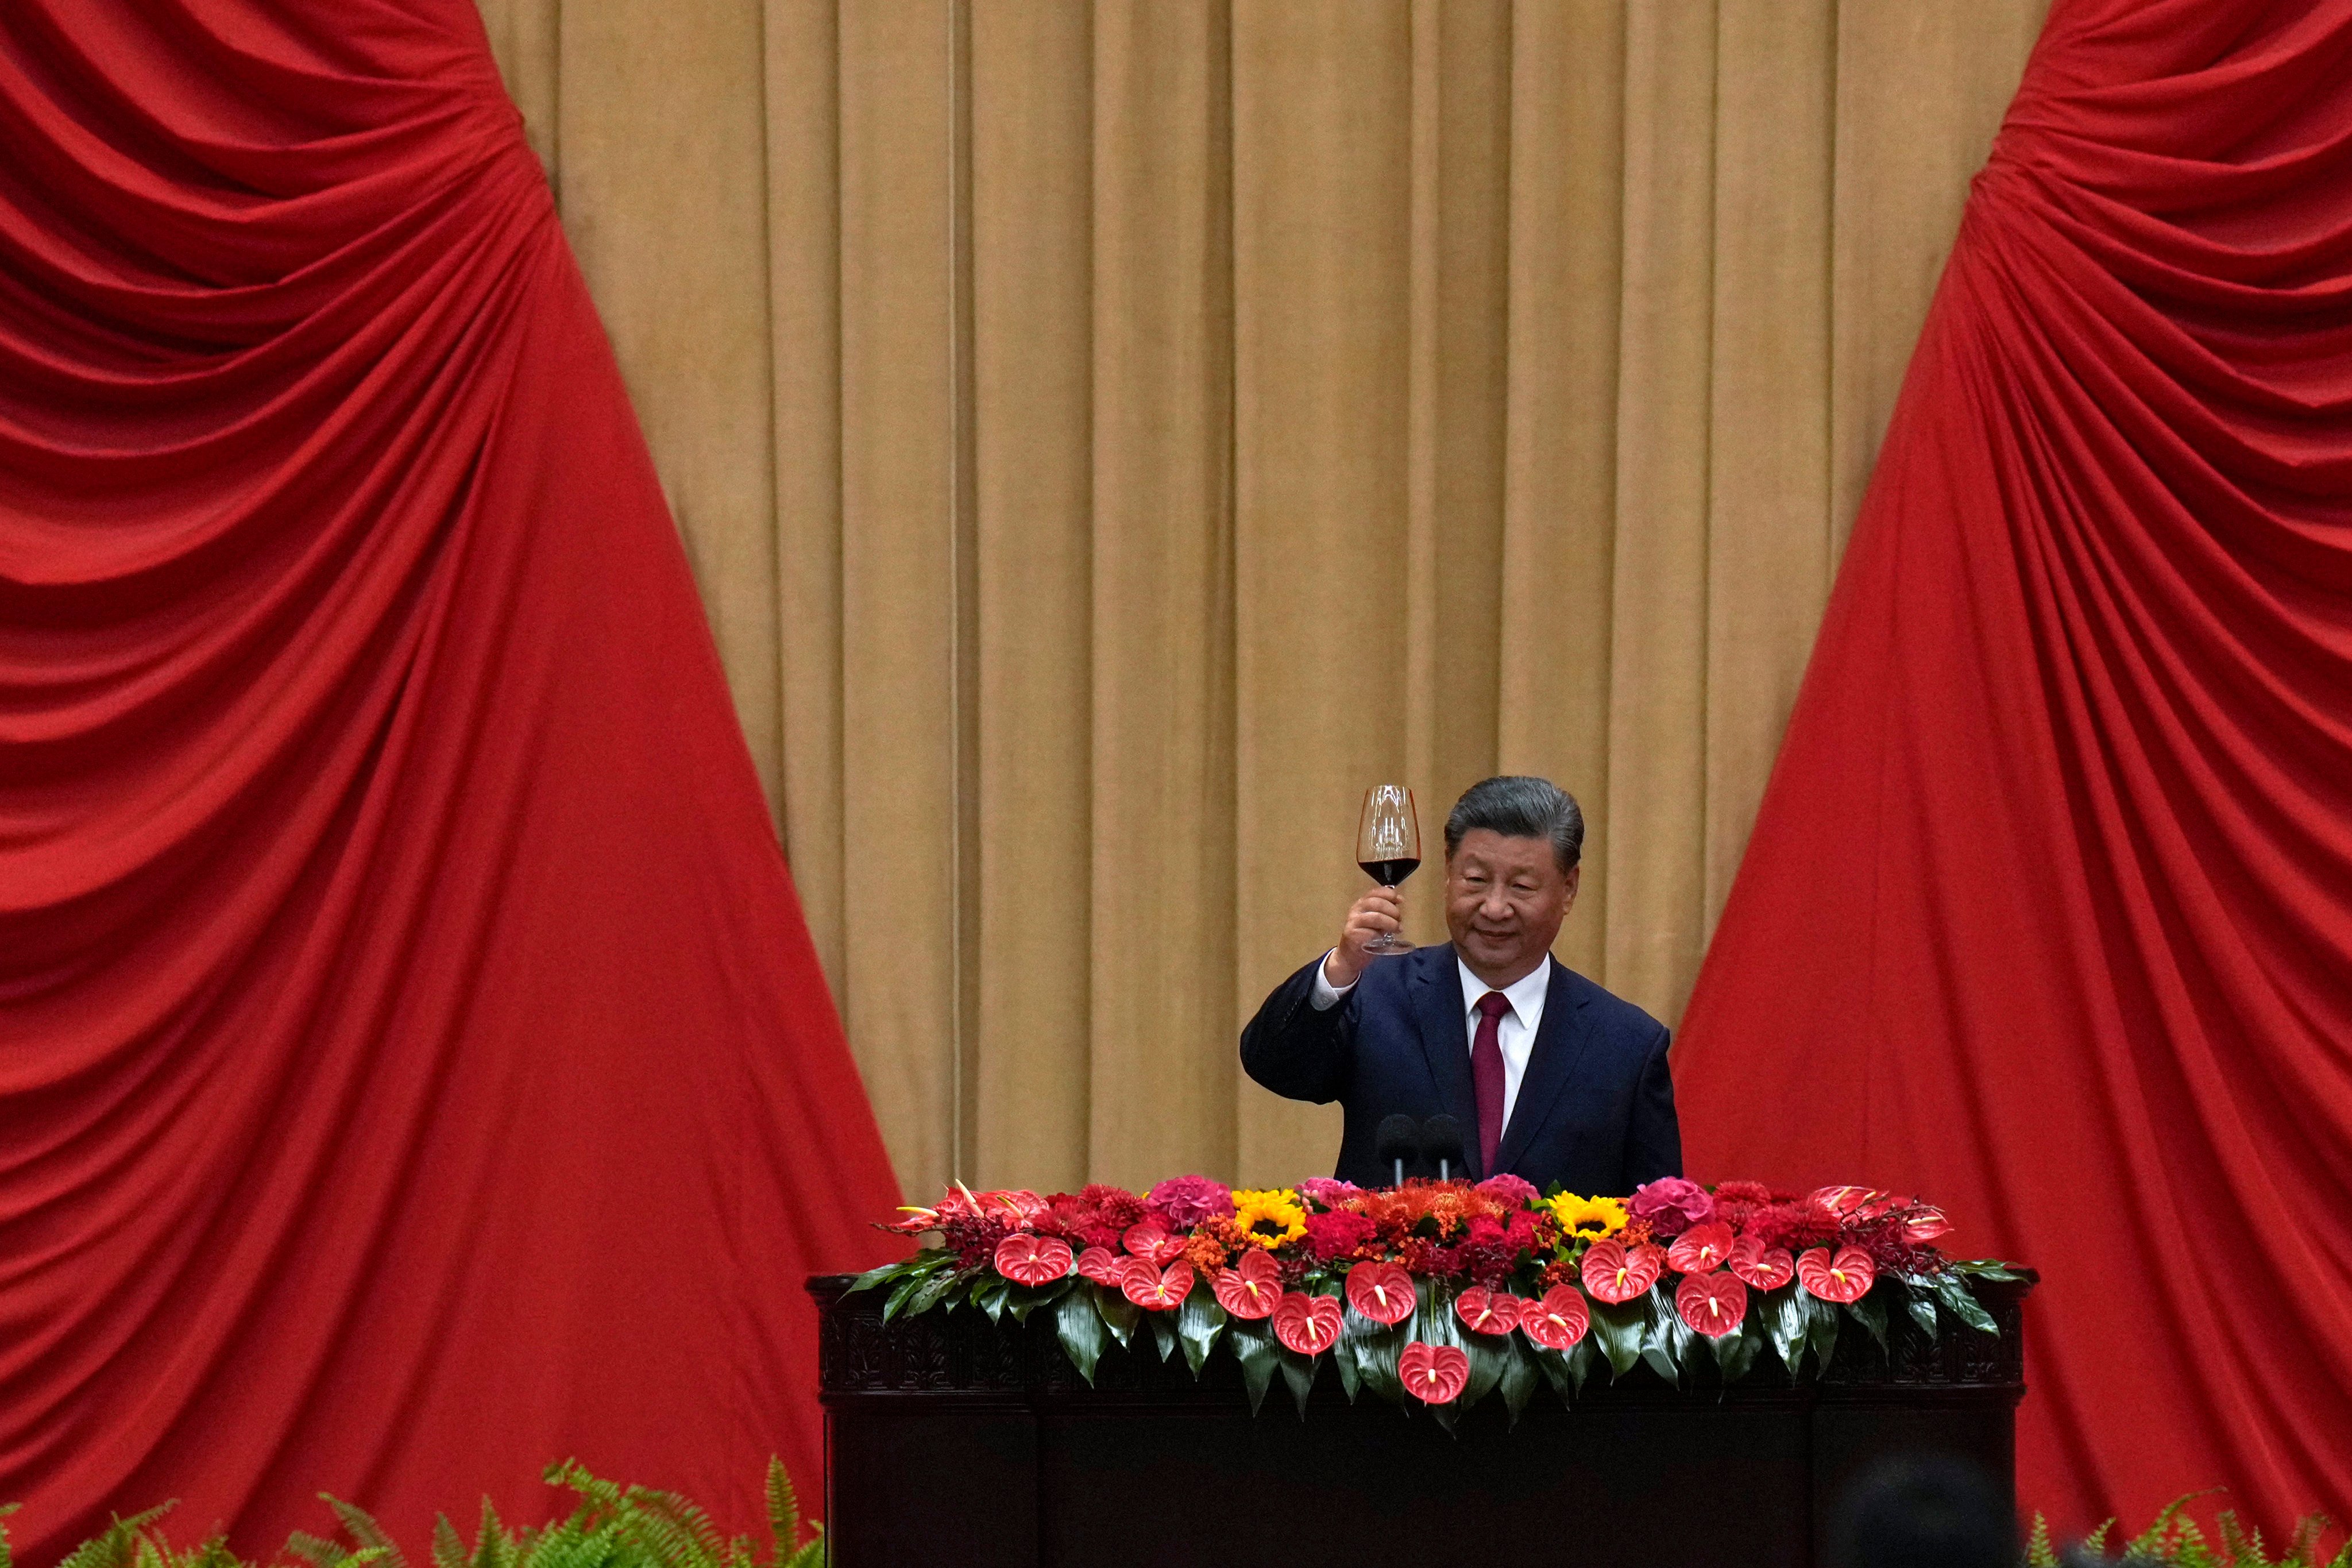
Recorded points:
(1388,848)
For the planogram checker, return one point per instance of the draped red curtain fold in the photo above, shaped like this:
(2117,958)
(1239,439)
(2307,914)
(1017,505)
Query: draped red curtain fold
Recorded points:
(2048,912)
(412,1065)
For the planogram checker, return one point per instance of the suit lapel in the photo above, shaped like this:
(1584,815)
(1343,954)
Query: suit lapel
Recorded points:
(1561,1040)
(1438,1015)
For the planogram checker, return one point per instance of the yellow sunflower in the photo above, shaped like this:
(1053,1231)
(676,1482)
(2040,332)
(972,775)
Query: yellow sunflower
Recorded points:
(1592,1218)
(1269,1218)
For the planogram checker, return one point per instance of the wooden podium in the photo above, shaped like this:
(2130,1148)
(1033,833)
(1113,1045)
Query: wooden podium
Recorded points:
(950,1439)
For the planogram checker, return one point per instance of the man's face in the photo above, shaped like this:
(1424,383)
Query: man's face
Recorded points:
(1505,898)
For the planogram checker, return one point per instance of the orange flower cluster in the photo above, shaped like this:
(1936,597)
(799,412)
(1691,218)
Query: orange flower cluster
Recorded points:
(1400,1211)
(1213,1245)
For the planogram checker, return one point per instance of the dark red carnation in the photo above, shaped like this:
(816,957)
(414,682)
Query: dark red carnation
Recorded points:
(1742,1193)
(1337,1234)
(1118,1207)
(1795,1226)
(1426,1260)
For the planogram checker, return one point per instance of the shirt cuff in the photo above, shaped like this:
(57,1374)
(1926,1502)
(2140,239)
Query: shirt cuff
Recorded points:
(1326,995)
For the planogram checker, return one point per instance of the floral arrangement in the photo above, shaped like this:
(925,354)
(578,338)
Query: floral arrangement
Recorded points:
(1442,1292)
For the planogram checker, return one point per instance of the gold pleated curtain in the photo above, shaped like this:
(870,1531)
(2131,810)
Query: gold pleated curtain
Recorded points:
(1110,434)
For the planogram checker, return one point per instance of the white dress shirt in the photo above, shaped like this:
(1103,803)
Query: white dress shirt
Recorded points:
(1515,1032)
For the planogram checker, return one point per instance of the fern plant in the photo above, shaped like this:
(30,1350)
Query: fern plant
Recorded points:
(2175,1540)
(615,1526)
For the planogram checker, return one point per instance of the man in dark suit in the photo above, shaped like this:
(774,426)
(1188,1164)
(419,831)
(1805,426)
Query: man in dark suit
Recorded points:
(1551,1078)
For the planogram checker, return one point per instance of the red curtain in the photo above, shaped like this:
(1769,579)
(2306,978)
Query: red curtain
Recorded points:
(2048,913)
(414,1066)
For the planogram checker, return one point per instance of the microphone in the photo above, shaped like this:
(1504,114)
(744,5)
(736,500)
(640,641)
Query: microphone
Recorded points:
(1441,1143)
(1397,1140)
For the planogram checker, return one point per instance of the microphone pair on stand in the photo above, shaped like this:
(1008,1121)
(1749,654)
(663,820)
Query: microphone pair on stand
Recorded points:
(1400,1140)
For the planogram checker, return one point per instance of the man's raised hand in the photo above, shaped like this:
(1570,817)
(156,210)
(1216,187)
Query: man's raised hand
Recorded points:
(1376,914)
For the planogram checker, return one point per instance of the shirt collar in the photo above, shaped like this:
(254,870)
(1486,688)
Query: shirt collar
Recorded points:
(1526,993)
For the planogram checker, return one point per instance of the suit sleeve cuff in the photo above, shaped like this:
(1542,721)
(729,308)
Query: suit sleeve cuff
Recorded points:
(1326,995)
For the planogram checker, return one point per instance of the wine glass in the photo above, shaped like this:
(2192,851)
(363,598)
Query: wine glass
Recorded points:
(1388,847)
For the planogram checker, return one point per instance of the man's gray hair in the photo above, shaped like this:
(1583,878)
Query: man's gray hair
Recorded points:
(1519,806)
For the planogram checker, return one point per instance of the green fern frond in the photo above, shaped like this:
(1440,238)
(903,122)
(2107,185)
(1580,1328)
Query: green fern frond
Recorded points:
(2234,1545)
(449,1546)
(212,1554)
(6,1509)
(365,1531)
(494,1546)
(317,1550)
(117,1545)
(2097,1540)
(678,1534)
(783,1514)
(577,1479)
(2039,1551)
(813,1555)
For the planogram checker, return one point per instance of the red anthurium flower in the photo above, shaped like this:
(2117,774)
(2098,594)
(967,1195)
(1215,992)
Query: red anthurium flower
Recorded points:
(1845,1278)
(1711,1303)
(1484,1311)
(1147,1240)
(1557,1321)
(1102,1266)
(1858,1205)
(1307,1324)
(1251,1290)
(1923,1222)
(1434,1374)
(1028,1259)
(1701,1249)
(1381,1292)
(1158,1292)
(1765,1269)
(1613,1274)
(1017,1207)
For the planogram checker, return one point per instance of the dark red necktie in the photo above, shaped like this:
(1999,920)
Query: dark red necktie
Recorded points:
(1486,1076)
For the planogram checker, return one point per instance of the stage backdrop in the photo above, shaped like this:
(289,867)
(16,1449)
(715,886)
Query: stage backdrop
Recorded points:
(2048,910)
(412,1065)
(1109,433)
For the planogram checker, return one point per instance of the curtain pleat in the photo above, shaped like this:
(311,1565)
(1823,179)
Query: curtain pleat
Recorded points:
(1109,433)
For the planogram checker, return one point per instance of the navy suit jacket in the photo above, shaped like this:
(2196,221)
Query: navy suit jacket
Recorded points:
(1595,1111)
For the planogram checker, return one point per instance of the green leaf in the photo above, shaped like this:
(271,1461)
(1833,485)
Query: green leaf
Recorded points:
(1489,1355)
(1444,1414)
(1821,1330)
(1298,1370)
(1352,1371)
(1164,1332)
(1923,1310)
(1785,1319)
(1987,1269)
(992,1299)
(933,1292)
(1871,1313)
(1667,1344)
(1198,1322)
(1259,1355)
(901,1293)
(1582,1356)
(1961,1302)
(882,1275)
(1620,1327)
(1080,1327)
(1519,1379)
(1120,1315)
(1377,1348)
(1736,1352)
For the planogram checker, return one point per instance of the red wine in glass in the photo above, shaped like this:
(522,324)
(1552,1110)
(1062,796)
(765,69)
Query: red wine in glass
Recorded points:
(1388,847)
